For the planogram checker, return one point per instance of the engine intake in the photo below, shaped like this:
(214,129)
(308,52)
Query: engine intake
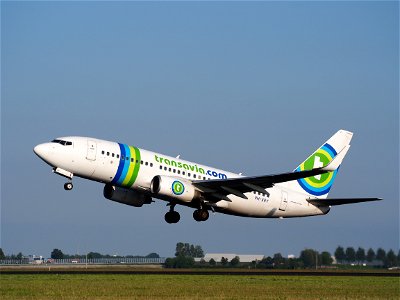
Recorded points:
(173,187)
(125,196)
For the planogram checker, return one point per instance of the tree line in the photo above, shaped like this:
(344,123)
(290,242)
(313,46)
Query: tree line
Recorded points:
(309,258)
(186,253)
(350,255)
(58,254)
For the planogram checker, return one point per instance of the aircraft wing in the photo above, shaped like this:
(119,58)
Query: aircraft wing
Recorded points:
(238,186)
(340,201)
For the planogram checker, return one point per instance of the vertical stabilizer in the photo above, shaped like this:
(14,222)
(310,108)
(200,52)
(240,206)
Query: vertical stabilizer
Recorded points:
(320,185)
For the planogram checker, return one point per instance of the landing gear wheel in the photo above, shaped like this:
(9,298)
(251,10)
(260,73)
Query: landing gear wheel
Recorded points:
(68,186)
(196,215)
(201,215)
(172,217)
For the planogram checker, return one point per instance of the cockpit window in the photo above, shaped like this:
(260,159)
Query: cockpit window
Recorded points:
(62,142)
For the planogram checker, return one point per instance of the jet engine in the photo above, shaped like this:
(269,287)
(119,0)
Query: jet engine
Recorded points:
(125,196)
(173,187)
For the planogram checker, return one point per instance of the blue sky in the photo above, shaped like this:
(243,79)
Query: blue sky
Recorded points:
(246,87)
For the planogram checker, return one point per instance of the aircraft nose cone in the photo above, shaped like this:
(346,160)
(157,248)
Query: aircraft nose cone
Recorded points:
(41,150)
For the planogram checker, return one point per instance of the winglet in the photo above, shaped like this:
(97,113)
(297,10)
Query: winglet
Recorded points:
(337,161)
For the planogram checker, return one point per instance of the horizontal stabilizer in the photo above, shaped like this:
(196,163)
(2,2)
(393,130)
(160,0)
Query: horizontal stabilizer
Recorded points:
(340,201)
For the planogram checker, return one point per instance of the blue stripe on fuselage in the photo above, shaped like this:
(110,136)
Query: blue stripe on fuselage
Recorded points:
(120,165)
(125,162)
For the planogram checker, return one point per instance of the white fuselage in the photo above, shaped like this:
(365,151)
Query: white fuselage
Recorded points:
(133,168)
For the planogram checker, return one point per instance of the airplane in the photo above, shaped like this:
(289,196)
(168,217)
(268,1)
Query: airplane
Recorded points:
(133,176)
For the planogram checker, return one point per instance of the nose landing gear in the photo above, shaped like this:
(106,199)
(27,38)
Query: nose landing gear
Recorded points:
(68,186)
(64,173)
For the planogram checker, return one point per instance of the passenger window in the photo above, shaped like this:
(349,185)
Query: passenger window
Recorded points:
(183,172)
(69,143)
(102,152)
(165,168)
(112,154)
(179,172)
(108,153)
(160,167)
(122,157)
(194,175)
(174,170)
(151,164)
(141,162)
(169,169)
(117,155)
(189,174)
(204,178)
(132,160)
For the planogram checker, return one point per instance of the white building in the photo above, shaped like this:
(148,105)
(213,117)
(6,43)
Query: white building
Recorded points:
(244,258)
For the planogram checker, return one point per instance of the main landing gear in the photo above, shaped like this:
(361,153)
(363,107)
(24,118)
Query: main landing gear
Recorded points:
(68,186)
(201,215)
(172,216)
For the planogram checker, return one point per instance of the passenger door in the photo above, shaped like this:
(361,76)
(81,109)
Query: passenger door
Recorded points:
(91,150)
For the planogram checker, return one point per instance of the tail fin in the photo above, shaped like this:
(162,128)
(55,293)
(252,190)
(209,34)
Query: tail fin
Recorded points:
(320,185)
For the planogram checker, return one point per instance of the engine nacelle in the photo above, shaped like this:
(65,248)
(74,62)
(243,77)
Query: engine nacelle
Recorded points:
(173,187)
(125,196)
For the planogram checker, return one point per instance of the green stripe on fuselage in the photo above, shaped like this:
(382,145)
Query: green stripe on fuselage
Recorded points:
(136,168)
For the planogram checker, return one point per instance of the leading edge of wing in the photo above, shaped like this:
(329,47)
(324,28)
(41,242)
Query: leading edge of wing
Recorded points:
(247,184)
(340,201)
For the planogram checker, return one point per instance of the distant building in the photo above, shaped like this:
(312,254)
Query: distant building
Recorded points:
(37,260)
(244,258)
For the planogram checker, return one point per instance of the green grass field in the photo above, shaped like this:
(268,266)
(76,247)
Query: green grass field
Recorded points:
(108,286)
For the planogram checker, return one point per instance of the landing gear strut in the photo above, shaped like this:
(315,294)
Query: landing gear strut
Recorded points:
(201,215)
(172,216)
(68,186)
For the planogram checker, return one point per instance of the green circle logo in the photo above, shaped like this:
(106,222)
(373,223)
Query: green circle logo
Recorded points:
(320,184)
(178,188)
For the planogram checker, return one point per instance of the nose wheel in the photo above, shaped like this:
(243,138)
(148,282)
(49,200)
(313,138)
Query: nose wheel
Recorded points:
(68,186)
